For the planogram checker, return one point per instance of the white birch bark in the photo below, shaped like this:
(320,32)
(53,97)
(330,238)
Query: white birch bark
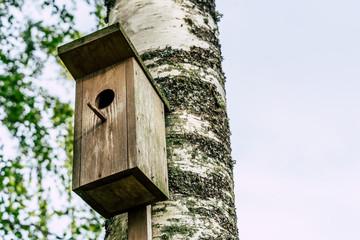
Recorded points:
(178,40)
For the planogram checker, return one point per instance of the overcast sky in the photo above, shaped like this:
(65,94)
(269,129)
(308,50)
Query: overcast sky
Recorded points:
(293,91)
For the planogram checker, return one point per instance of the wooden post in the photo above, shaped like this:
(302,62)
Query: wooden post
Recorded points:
(140,223)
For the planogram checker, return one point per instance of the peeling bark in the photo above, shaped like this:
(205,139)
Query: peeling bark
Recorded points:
(178,40)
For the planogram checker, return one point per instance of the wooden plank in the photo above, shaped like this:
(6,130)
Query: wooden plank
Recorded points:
(150,131)
(102,49)
(68,47)
(95,205)
(130,108)
(77,136)
(104,144)
(121,195)
(139,221)
(120,192)
(96,54)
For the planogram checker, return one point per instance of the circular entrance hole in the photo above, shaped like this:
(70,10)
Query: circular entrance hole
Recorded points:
(105,98)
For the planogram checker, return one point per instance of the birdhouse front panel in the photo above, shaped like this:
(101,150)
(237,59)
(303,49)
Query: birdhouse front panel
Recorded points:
(103,144)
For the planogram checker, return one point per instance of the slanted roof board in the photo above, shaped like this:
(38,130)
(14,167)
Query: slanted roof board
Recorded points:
(99,50)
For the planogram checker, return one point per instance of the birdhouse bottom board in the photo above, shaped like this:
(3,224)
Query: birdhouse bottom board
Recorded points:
(119,163)
(119,193)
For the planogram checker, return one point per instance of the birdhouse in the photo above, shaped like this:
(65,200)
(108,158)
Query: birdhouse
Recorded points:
(119,144)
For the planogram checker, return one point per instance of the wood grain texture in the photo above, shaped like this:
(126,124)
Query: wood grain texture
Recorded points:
(77,136)
(130,109)
(120,164)
(104,144)
(150,131)
(102,49)
(121,195)
(97,111)
(139,221)
(120,192)
(96,54)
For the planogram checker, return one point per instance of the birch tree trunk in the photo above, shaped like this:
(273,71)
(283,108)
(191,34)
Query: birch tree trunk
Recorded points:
(178,41)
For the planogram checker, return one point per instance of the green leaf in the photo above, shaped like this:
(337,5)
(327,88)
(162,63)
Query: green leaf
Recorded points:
(30,113)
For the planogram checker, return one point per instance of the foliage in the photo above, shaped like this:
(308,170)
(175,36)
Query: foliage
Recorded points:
(35,189)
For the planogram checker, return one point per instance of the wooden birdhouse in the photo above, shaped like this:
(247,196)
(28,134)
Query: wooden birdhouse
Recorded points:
(119,146)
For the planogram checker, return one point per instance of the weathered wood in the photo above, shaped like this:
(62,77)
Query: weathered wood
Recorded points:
(130,101)
(102,49)
(120,148)
(122,163)
(139,227)
(77,136)
(120,192)
(104,144)
(127,191)
(150,131)
(97,111)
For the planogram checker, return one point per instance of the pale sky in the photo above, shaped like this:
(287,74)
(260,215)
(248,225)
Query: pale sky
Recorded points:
(293,84)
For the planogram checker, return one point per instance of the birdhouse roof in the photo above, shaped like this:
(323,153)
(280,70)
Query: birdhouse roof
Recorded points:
(99,50)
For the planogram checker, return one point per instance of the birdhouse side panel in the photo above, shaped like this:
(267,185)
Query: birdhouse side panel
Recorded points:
(150,131)
(104,143)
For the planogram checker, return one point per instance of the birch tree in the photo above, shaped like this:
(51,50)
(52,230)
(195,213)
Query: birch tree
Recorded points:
(178,41)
